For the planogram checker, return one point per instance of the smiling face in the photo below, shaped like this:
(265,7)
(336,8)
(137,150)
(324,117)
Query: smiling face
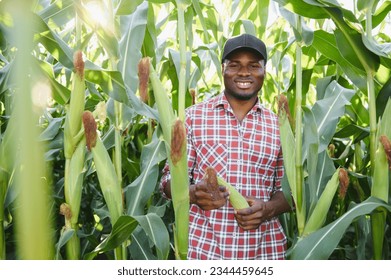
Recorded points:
(243,72)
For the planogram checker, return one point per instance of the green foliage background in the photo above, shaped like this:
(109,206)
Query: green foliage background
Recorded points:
(344,84)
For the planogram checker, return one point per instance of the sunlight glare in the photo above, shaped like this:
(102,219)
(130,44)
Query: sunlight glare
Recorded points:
(96,13)
(41,95)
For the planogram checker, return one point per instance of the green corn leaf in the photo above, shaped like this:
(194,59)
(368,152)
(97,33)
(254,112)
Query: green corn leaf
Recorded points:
(320,244)
(288,149)
(328,111)
(108,180)
(131,42)
(140,190)
(65,236)
(140,247)
(157,232)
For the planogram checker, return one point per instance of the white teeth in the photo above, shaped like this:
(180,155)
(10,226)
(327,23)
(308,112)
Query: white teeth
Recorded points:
(243,84)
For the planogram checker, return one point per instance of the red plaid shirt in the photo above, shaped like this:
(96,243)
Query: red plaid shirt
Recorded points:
(248,155)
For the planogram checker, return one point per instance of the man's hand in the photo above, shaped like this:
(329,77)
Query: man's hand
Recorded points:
(206,200)
(253,216)
(260,211)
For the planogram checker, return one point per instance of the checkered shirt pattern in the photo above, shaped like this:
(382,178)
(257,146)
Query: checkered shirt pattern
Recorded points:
(248,155)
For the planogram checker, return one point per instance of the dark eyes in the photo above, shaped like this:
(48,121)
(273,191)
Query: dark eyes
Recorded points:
(234,67)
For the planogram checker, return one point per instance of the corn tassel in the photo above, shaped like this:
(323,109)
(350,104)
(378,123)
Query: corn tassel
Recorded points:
(380,185)
(319,214)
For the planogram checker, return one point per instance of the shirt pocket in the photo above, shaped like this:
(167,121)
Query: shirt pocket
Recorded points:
(213,155)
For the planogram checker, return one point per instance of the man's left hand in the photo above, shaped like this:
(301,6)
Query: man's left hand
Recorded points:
(253,216)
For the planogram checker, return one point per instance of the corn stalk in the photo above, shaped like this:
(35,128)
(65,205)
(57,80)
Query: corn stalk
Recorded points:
(4,179)
(6,167)
(32,218)
(174,135)
(300,201)
(378,144)
(3,189)
(74,148)
(118,126)
(106,32)
(381,181)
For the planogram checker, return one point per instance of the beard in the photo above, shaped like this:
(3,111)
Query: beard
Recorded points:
(241,96)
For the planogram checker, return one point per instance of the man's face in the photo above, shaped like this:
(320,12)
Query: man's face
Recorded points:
(243,72)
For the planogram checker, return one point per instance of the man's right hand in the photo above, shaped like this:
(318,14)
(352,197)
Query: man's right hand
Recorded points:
(200,195)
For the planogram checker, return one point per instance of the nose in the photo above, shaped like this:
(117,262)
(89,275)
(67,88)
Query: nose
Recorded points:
(244,71)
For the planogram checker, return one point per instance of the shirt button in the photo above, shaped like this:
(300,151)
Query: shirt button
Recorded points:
(234,234)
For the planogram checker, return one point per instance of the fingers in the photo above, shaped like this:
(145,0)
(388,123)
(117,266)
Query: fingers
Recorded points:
(248,225)
(209,200)
(251,217)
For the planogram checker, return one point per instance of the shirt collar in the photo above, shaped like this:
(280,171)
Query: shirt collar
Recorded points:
(221,100)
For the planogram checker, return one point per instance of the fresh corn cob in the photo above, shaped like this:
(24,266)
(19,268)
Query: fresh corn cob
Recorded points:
(179,187)
(380,185)
(319,214)
(235,198)
(74,180)
(76,107)
(166,114)
(213,181)
(288,149)
(288,143)
(107,176)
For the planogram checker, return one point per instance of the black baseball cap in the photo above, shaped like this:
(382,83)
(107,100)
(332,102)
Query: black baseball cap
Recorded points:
(244,41)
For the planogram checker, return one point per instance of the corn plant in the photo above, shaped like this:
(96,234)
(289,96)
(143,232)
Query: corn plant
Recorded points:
(331,64)
(74,150)
(367,60)
(175,136)
(33,201)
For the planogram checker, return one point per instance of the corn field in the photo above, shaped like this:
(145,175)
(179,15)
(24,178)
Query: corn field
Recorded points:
(92,90)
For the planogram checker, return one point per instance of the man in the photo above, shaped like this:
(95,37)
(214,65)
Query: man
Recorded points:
(239,138)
